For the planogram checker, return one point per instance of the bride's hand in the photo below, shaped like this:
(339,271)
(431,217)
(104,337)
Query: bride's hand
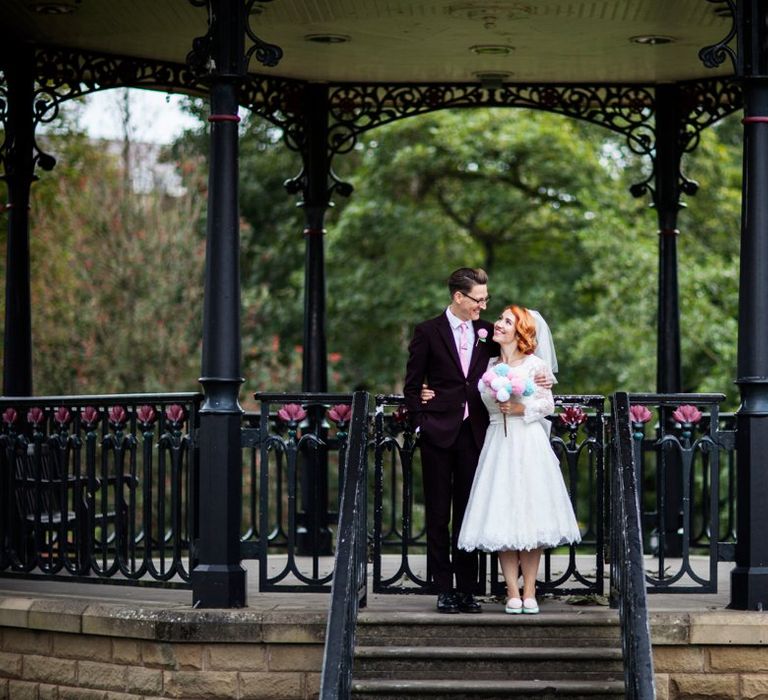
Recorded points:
(511,408)
(426,393)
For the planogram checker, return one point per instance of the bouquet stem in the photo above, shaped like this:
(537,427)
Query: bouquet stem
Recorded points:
(505,424)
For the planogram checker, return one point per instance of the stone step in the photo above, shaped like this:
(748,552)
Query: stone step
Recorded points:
(486,689)
(489,663)
(576,629)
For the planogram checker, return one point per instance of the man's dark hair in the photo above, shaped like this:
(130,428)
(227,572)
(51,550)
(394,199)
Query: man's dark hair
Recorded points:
(463,279)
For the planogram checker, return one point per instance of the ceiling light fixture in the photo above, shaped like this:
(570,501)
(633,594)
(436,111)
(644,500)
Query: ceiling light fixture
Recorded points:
(54,8)
(492,49)
(652,39)
(327,38)
(493,80)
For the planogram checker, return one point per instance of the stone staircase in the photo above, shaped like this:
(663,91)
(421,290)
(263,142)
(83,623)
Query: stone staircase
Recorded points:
(574,654)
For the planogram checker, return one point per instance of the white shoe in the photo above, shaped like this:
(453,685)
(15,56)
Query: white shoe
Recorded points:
(530,606)
(514,606)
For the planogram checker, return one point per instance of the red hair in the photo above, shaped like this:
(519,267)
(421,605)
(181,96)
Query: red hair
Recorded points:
(525,326)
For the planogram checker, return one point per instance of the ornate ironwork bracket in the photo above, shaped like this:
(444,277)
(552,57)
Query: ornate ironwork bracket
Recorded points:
(714,55)
(200,59)
(704,102)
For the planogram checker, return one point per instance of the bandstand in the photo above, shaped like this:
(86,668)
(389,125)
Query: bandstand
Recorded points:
(152,492)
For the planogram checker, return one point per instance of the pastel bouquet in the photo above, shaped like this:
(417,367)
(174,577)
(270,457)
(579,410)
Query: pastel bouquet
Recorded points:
(504,383)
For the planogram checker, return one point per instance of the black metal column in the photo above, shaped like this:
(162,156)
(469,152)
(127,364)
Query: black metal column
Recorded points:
(668,369)
(219,580)
(19,175)
(749,579)
(667,201)
(313,534)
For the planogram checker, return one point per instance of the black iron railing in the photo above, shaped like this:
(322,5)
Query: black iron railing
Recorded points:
(349,587)
(398,514)
(627,567)
(99,488)
(300,467)
(102,488)
(679,479)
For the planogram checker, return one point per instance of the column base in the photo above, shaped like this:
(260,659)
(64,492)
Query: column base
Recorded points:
(749,588)
(219,586)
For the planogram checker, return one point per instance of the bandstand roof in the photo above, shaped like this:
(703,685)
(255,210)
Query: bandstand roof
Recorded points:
(446,41)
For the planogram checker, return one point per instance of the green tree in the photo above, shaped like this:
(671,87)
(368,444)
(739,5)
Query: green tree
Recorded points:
(117,276)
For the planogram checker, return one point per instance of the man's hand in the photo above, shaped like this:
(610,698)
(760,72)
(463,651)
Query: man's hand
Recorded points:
(426,393)
(542,379)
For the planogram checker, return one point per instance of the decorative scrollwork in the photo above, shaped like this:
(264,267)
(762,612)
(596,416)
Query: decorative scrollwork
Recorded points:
(706,102)
(266,54)
(63,75)
(626,110)
(703,102)
(278,101)
(714,55)
(200,59)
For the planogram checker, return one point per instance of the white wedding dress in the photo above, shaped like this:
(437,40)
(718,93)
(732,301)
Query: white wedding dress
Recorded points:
(518,499)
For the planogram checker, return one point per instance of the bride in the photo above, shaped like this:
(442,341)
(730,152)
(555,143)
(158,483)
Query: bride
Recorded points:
(519,504)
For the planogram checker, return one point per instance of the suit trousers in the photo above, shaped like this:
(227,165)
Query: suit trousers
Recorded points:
(448,474)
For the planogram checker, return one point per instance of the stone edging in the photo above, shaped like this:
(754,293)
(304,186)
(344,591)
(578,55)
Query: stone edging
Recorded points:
(166,624)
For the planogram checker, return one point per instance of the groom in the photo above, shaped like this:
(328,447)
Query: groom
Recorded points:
(449,354)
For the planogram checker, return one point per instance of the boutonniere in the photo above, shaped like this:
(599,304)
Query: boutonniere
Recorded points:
(482,336)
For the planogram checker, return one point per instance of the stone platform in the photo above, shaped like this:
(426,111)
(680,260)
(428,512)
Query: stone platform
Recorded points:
(69,640)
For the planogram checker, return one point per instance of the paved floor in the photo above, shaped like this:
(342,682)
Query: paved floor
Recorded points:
(175,598)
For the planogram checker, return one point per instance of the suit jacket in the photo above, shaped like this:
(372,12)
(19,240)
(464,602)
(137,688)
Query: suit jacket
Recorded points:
(433,359)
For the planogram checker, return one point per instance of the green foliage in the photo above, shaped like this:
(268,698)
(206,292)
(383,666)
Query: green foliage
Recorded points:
(117,278)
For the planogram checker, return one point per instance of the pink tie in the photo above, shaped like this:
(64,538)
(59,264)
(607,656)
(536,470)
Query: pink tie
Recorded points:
(464,356)
(464,348)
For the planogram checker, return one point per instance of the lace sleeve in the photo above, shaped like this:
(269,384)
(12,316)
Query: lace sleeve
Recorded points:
(541,403)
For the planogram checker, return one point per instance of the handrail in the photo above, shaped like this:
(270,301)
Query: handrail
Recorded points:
(349,579)
(627,569)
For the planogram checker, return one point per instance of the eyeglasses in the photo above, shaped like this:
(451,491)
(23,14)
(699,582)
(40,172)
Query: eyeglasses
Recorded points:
(484,300)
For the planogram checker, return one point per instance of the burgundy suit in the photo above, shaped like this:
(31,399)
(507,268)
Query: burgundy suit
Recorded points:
(450,446)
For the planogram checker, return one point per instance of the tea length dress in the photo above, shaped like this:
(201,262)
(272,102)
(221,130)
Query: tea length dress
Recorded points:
(518,500)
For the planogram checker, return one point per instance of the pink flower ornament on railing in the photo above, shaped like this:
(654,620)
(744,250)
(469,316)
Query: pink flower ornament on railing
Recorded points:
(89,416)
(117,417)
(292,414)
(36,416)
(146,415)
(687,416)
(573,417)
(639,415)
(175,414)
(340,414)
(10,416)
(62,417)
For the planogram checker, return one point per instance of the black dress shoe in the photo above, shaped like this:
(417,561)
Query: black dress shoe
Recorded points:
(467,603)
(447,603)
